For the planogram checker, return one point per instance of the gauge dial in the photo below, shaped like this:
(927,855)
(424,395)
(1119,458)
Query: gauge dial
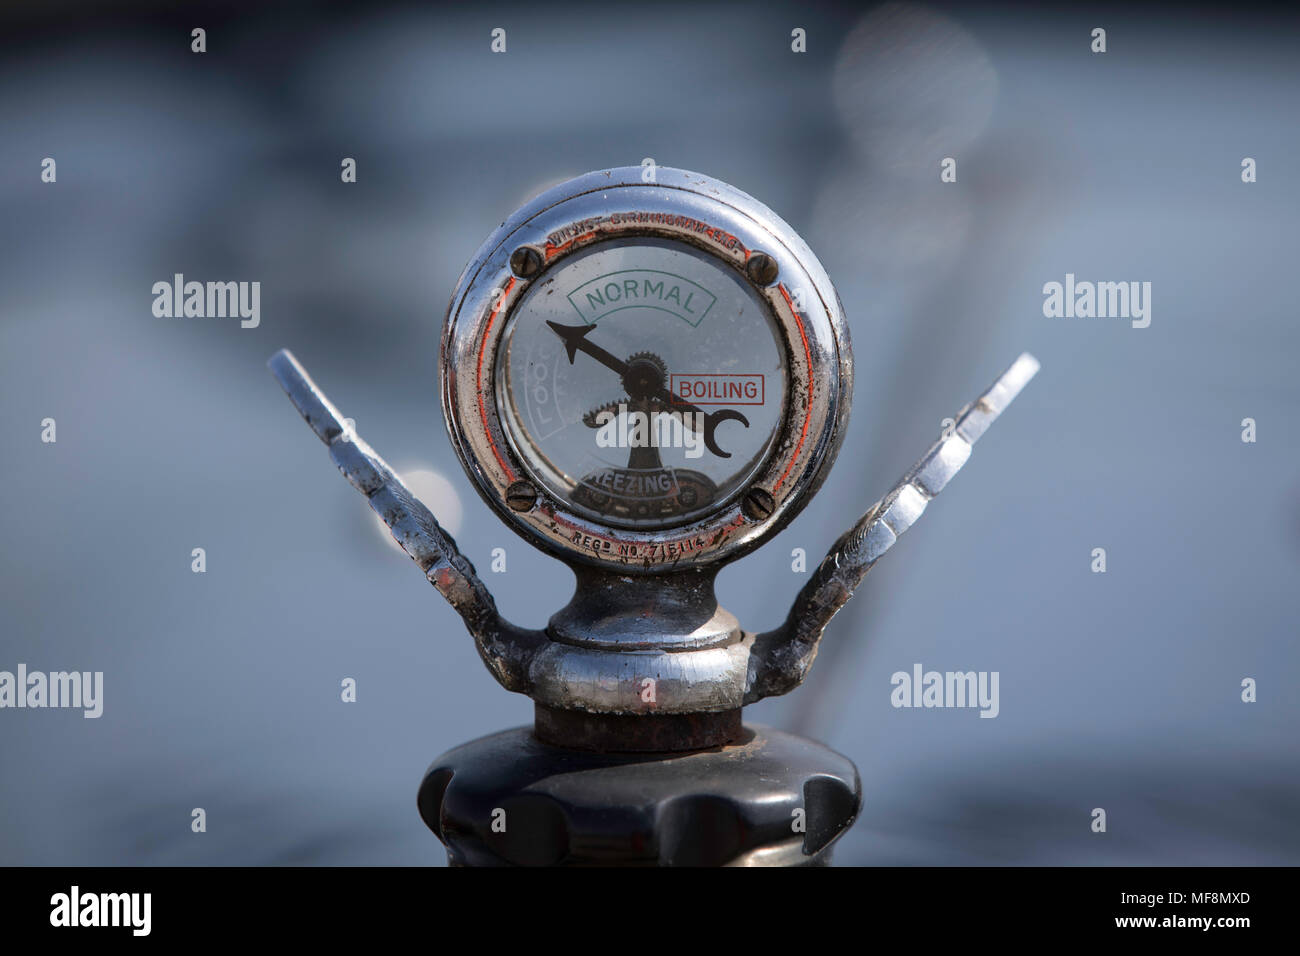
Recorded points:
(642,382)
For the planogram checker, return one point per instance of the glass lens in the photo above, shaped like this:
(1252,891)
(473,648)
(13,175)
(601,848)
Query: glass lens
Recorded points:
(642,382)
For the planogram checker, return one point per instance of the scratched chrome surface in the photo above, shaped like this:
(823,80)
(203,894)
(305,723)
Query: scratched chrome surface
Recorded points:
(669,629)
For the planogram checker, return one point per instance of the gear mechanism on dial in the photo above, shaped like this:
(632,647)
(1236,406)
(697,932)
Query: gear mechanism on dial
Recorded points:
(645,488)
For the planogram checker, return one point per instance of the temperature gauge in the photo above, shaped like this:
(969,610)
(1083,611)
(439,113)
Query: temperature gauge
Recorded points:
(647,376)
(642,382)
(647,380)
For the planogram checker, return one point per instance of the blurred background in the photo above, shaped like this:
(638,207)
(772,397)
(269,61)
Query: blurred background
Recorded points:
(222,690)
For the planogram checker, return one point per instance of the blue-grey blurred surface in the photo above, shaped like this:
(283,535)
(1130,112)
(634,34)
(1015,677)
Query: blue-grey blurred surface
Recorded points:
(222,690)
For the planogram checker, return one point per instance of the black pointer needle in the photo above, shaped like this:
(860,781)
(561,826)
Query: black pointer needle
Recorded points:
(575,341)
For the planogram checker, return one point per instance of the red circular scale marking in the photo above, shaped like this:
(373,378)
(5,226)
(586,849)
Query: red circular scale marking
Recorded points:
(478,382)
(550,253)
(808,408)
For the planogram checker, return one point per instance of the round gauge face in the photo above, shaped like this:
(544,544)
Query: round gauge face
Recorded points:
(642,382)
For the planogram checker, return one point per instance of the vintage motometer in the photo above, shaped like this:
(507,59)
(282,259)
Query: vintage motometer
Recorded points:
(646,380)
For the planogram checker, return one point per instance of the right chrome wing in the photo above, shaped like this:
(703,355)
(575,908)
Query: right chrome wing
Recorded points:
(781,658)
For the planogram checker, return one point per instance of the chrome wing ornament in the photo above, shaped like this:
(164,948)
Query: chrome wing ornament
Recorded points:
(778,660)
(505,648)
(782,657)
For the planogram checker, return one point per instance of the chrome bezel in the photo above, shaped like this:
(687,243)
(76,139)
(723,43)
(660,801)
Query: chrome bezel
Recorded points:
(708,215)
